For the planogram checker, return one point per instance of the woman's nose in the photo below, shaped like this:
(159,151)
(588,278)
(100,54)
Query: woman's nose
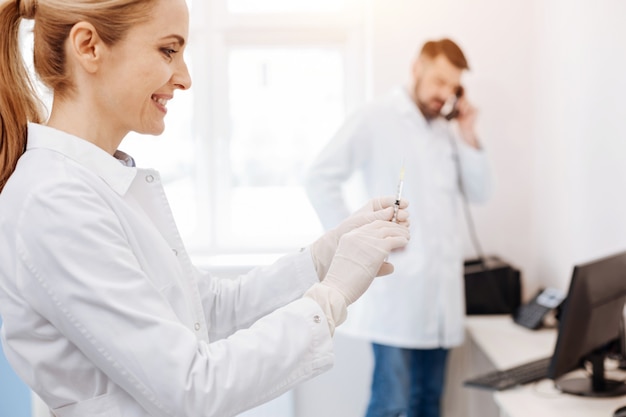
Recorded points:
(181,79)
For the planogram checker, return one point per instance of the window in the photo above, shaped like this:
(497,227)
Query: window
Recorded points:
(282,6)
(283,103)
(271,83)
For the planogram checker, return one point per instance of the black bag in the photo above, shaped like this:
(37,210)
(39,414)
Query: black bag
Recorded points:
(491,286)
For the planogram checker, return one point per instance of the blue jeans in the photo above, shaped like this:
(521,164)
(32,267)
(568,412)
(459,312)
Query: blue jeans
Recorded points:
(407,382)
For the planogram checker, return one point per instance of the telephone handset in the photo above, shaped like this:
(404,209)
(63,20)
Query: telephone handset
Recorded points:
(532,314)
(449,110)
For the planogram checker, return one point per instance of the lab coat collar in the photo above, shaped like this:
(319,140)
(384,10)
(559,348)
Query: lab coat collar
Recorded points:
(117,171)
(407,107)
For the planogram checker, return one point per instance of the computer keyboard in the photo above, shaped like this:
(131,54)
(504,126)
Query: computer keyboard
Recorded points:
(508,378)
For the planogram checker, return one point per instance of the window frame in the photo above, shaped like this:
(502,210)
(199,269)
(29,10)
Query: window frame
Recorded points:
(214,30)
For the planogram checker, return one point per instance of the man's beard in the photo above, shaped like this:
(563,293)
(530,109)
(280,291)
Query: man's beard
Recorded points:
(429,112)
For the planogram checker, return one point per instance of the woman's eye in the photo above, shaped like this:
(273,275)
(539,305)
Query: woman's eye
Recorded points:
(168,52)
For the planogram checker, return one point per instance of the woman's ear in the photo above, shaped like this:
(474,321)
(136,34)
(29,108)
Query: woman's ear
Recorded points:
(85,46)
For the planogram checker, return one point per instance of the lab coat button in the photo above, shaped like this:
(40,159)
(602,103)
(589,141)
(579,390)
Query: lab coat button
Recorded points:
(149,178)
(196,326)
(175,252)
(317,318)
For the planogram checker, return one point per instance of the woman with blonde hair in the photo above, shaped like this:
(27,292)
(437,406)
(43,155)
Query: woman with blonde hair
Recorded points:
(103,312)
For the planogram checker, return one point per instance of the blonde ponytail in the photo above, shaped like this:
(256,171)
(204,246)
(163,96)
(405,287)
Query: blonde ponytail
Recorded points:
(19,103)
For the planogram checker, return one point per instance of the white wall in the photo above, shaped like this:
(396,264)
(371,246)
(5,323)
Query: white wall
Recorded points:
(549,79)
(579,210)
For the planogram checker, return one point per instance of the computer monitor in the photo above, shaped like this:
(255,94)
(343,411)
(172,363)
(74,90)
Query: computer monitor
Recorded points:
(589,326)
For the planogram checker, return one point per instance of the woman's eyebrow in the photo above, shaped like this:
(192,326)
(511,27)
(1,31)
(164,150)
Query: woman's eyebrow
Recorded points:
(178,38)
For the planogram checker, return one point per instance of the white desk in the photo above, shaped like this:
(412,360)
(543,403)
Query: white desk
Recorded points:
(506,344)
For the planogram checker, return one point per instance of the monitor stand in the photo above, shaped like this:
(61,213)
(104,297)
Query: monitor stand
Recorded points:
(596,385)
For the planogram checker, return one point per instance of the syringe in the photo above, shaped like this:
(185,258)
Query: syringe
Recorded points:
(396,204)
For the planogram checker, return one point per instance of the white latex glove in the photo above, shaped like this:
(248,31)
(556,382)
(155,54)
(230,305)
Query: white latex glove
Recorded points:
(323,249)
(360,254)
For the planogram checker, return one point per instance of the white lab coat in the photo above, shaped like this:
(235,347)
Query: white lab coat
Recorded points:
(104,314)
(421,305)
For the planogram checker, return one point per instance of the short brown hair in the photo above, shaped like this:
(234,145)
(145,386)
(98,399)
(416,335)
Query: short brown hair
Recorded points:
(432,49)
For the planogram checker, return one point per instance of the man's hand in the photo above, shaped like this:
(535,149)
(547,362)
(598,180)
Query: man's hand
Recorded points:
(466,121)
